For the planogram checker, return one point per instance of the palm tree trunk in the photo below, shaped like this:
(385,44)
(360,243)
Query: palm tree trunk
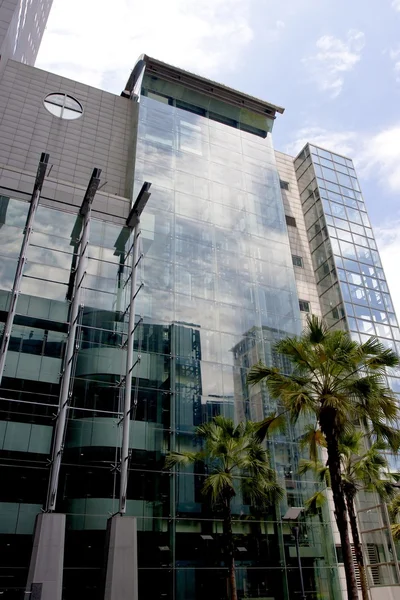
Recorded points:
(230,549)
(357,546)
(341,512)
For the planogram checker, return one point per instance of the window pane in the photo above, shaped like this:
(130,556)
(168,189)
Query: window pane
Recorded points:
(72,103)
(358,294)
(354,278)
(324,154)
(354,215)
(70,114)
(333,187)
(344,179)
(338,210)
(341,223)
(344,235)
(366,327)
(348,250)
(335,197)
(351,265)
(364,255)
(55,99)
(53,109)
(304,306)
(329,174)
(362,312)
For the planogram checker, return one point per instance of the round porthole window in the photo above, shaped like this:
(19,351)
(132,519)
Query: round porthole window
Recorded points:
(63,106)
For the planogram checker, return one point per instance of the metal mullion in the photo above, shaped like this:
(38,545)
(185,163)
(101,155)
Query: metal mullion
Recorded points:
(128,375)
(40,175)
(68,363)
(65,391)
(133,222)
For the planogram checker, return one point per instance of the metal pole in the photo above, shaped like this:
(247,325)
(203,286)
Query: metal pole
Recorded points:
(58,444)
(40,175)
(128,375)
(295,531)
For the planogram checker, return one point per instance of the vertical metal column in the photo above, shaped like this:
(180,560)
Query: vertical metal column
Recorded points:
(40,175)
(65,392)
(133,221)
(128,375)
(296,531)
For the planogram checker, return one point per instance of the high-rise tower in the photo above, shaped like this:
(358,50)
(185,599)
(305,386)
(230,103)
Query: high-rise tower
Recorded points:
(22,24)
(229,263)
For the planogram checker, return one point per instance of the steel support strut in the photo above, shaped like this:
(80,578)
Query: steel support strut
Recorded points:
(128,374)
(65,390)
(133,222)
(40,175)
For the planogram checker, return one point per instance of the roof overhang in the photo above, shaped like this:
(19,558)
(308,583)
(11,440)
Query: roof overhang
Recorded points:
(200,84)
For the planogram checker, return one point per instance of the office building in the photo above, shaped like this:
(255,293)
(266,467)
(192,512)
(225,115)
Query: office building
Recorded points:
(22,24)
(230,261)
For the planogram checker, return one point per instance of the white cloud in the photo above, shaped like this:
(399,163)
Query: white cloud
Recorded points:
(396,5)
(275,32)
(388,240)
(333,59)
(342,142)
(87,41)
(376,155)
(395,56)
(380,157)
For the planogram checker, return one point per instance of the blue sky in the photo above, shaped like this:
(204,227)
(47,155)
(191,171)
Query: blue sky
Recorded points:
(333,64)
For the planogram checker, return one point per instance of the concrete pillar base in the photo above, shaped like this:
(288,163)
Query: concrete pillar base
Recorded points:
(46,568)
(122,573)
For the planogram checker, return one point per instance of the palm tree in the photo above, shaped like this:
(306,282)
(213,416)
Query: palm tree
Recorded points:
(361,470)
(236,460)
(394,512)
(366,470)
(337,383)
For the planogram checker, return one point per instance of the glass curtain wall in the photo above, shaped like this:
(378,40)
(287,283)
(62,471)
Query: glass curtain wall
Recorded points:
(354,295)
(30,390)
(218,291)
(219,280)
(30,385)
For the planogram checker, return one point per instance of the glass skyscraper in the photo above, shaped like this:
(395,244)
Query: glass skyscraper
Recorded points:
(231,258)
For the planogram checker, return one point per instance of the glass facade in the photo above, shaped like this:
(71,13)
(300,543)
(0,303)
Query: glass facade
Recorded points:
(351,282)
(354,295)
(219,277)
(219,291)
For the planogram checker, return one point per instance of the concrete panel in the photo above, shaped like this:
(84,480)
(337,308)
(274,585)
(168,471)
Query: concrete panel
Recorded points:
(46,568)
(385,593)
(122,576)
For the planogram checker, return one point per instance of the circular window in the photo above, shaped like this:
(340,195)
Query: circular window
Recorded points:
(63,106)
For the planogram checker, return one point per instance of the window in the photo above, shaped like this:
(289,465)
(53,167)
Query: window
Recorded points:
(290,221)
(304,306)
(284,185)
(297,261)
(63,106)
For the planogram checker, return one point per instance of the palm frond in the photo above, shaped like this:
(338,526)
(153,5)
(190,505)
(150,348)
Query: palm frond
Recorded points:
(377,355)
(315,503)
(313,439)
(396,531)
(275,422)
(316,329)
(385,489)
(262,493)
(181,458)
(385,433)
(218,486)
(259,372)
(394,507)
(318,468)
